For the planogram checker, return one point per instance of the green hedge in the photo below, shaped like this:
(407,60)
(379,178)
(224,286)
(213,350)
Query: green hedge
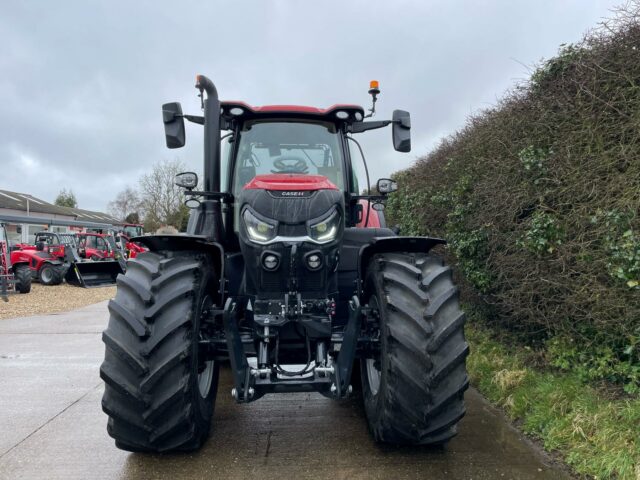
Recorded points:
(539,199)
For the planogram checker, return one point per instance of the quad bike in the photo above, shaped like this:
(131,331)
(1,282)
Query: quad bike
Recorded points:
(275,276)
(14,277)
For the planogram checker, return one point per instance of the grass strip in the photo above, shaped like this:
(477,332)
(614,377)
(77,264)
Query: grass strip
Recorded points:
(596,434)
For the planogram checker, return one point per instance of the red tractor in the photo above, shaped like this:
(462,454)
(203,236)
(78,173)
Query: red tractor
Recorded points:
(96,246)
(126,233)
(132,249)
(275,275)
(14,277)
(46,258)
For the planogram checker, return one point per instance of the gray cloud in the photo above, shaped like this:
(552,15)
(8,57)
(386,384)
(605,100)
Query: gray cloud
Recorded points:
(81,83)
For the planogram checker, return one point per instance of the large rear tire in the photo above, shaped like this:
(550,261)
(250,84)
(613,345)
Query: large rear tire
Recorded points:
(23,278)
(50,274)
(413,388)
(159,395)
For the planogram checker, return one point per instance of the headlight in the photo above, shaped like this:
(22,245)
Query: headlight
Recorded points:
(258,230)
(326,230)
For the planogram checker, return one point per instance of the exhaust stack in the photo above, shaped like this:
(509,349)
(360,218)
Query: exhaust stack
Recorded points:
(209,219)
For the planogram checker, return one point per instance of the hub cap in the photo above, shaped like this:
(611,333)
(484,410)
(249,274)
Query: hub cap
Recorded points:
(205,368)
(46,274)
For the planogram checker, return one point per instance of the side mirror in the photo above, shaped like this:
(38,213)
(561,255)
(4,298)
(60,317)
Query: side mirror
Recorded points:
(386,185)
(401,131)
(173,124)
(188,180)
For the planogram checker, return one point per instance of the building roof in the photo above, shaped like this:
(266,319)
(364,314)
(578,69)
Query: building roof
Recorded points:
(19,201)
(25,202)
(92,216)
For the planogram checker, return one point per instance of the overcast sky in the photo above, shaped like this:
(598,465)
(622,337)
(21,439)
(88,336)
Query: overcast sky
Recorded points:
(82,83)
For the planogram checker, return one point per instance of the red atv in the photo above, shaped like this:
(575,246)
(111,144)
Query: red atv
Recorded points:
(45,259)
(96,246)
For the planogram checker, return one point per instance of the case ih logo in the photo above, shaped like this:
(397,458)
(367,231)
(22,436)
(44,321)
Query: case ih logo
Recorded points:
(291,193)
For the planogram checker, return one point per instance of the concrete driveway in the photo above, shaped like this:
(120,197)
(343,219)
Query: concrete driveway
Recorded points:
(52,427)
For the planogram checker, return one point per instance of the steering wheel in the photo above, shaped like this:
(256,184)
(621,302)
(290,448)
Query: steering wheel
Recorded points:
(290,164)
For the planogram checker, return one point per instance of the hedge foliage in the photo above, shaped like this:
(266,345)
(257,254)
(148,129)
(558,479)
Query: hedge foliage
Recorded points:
(539,199)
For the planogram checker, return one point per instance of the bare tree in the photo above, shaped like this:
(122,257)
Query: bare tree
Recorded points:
(127,204)
(162,200)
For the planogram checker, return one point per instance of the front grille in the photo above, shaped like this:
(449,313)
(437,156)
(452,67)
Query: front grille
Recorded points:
(311,281)
(273,282)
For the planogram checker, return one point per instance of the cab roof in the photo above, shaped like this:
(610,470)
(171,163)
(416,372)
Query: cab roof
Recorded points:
(335,113)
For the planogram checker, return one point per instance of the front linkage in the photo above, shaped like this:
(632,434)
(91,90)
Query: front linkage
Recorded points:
(328,374)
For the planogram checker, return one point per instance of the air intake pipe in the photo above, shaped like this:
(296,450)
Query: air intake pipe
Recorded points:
(210,220)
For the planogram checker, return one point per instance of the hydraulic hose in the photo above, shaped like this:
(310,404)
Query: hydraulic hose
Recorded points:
(366,169)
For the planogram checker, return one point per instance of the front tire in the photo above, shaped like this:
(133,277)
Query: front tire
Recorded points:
(23,278)
(413,388)
(50,274)
(159,395)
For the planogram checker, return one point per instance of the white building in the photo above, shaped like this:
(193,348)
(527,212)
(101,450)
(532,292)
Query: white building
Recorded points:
(24,215)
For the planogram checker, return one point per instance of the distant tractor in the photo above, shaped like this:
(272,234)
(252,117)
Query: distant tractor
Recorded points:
(54,258)
(14,277)
(275,275)
(45,258)
(132,230)
(96,246)
(126,233)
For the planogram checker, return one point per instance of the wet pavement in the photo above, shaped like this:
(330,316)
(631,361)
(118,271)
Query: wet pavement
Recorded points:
(52,427)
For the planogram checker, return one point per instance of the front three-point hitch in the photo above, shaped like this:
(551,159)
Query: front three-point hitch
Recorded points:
(258,373)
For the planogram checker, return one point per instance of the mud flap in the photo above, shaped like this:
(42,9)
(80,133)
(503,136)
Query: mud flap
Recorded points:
(93,274)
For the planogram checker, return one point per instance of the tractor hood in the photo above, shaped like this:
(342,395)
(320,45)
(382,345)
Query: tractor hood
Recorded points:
(290,182)
(290,235)
(291,199)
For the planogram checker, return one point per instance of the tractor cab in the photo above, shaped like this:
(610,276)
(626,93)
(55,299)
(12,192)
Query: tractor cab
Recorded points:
(96,246)
(54,243)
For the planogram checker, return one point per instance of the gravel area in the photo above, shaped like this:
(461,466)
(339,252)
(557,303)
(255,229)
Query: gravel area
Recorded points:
(52,299)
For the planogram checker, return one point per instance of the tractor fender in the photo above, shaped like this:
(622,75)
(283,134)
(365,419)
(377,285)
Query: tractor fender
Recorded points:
(391,244)
(168,243)
(52,261)
(17,264)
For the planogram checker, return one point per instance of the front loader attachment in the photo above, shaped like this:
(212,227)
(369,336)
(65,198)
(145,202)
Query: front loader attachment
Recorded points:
(93,274)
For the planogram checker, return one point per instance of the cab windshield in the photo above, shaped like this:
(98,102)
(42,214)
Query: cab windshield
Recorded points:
(282,147)
(132,231)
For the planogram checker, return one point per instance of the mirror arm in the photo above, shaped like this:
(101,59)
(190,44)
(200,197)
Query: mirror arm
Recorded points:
(358,127)
(374,198)
(226,196)
(199,119)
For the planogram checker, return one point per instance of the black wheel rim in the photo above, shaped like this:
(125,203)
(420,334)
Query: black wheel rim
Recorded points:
(205,367)
(372,365)
(46,275)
